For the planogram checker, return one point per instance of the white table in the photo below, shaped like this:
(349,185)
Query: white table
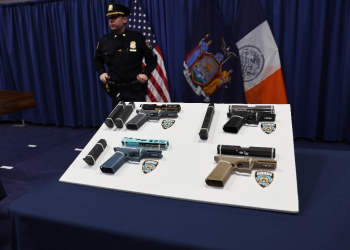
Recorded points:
(187,162)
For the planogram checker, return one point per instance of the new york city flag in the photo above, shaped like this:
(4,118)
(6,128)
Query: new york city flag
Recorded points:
(212,67)
(260,61)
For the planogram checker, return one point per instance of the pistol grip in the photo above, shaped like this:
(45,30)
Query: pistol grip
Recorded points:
(233,125)
(219,175)
(113,163)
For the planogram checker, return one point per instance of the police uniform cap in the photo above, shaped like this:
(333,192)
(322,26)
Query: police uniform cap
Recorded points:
(115,10)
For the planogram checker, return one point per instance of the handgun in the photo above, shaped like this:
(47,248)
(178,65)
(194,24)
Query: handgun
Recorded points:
(146,115)
(172,107)
(227,165)
(123,155)
(244,114)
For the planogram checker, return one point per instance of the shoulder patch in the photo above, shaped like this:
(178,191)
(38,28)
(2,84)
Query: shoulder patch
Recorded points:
(148,44)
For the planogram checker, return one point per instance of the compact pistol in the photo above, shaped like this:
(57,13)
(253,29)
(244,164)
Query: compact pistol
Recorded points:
(244,114)
(123,155)
(146,115)
(227,165)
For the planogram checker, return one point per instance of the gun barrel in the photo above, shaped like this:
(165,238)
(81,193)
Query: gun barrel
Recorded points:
(147,143)
(246,108)
(174,107)
(250,151)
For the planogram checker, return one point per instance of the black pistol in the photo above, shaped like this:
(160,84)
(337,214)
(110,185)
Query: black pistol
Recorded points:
(146,115)
(243,114)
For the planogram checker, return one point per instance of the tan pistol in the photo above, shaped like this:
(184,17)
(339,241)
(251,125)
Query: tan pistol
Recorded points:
(227,165)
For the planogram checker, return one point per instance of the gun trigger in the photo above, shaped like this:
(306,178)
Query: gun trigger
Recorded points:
(133,162)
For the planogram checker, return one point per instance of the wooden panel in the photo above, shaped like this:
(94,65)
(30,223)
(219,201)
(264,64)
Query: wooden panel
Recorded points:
(14,101)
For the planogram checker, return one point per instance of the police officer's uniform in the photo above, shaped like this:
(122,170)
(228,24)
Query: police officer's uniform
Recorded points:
(123,53)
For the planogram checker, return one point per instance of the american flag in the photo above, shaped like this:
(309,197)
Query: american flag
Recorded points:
(158,89)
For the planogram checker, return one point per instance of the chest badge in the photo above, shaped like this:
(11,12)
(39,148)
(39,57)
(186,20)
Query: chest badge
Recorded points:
(133,46)
(148,166)
(167,123)
(268,128)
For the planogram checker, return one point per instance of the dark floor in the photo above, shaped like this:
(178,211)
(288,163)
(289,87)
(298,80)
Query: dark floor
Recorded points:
(38,153)
(320,144)
(55,150)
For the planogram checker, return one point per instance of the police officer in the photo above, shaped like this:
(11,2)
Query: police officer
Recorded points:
(122,52)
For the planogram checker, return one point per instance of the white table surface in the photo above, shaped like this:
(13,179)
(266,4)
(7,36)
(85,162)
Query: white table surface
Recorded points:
(187,162)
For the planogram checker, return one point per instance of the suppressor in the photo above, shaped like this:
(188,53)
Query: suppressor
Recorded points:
(120,121)
(250,151)
(114,114)
(208,118)
(95,152)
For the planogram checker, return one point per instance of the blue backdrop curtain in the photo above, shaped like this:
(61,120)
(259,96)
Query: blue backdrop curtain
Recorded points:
(47,48)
